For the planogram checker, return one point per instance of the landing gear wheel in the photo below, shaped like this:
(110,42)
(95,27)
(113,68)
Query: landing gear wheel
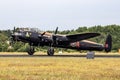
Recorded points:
(50,52)
(31,50)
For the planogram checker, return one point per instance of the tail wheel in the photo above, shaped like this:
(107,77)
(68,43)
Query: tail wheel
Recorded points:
(50,52)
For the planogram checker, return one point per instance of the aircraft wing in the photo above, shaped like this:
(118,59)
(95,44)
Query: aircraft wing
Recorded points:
(79,37)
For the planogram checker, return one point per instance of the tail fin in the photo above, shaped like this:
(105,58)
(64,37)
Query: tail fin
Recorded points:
(108,43)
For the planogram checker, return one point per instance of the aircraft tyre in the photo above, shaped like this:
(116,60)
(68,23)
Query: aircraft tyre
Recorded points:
(50,52)
(31,50)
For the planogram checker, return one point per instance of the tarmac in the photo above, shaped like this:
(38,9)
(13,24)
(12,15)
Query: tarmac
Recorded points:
(25,55)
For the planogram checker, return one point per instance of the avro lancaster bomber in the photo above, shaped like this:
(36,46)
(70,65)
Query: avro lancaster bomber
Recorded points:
(76,41)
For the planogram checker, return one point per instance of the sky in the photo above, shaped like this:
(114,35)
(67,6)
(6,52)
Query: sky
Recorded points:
(65,14)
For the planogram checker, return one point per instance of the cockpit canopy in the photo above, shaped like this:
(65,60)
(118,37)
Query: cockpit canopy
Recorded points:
(29,29)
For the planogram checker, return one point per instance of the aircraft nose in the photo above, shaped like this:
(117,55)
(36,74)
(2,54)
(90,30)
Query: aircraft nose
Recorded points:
(13,35)
(16,36)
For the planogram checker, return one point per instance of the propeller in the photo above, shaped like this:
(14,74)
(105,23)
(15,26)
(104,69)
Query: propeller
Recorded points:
(12,37)
(41,36)
(43,33)
(14,29)
(56,31)
(12,33)
(54,37)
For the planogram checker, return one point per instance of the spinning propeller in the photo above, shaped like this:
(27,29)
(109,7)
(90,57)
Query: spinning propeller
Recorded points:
(53,37)
(13,38)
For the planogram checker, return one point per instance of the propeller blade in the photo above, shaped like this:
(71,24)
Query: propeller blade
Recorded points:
(11,39)
(14,29)
(43,33)
(54,37)
(56,30)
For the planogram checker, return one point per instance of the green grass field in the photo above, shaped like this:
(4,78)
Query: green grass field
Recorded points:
(58,68)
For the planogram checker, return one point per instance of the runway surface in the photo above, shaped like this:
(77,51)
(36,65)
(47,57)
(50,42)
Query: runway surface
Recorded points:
(58,55)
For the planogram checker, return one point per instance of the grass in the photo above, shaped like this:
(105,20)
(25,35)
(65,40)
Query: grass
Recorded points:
(58,68)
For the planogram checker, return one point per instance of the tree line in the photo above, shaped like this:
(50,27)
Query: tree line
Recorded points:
(113,30)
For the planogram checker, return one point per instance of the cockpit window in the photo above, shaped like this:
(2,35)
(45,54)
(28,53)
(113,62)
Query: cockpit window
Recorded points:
(29,29)
(17,33)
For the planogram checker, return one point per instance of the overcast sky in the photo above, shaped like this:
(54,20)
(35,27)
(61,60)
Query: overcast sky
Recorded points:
(66,14)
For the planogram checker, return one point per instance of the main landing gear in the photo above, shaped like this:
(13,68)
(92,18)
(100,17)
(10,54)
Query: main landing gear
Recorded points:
(31,50)
(50,51)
